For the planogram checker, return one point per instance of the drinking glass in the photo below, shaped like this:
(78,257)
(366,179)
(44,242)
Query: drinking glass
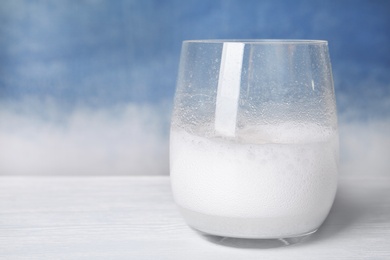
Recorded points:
(254,138)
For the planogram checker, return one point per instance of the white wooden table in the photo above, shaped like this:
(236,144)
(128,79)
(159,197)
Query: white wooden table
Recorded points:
(135,218)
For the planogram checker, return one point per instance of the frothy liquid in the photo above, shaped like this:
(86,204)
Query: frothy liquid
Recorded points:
(270,182)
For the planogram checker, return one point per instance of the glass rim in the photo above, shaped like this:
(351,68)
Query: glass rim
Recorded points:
(259,41)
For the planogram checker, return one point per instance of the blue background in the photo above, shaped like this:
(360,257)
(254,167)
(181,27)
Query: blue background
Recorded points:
(70,68)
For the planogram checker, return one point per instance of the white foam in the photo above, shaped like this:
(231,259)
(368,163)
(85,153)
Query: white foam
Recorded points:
(264,180)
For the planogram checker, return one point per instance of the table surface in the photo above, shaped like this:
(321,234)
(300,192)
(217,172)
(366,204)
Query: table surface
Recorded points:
(136,218)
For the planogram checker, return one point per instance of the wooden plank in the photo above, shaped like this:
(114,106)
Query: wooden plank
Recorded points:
(135,218)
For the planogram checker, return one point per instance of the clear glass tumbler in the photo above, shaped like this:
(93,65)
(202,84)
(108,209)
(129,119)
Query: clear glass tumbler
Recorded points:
(254,138)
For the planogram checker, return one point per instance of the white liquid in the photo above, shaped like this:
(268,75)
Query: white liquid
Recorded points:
(277,181)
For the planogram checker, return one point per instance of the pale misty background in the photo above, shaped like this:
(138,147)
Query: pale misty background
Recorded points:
(86,87)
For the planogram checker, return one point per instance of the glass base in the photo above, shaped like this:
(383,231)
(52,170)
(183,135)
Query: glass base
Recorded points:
(254,243)
(243,232)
